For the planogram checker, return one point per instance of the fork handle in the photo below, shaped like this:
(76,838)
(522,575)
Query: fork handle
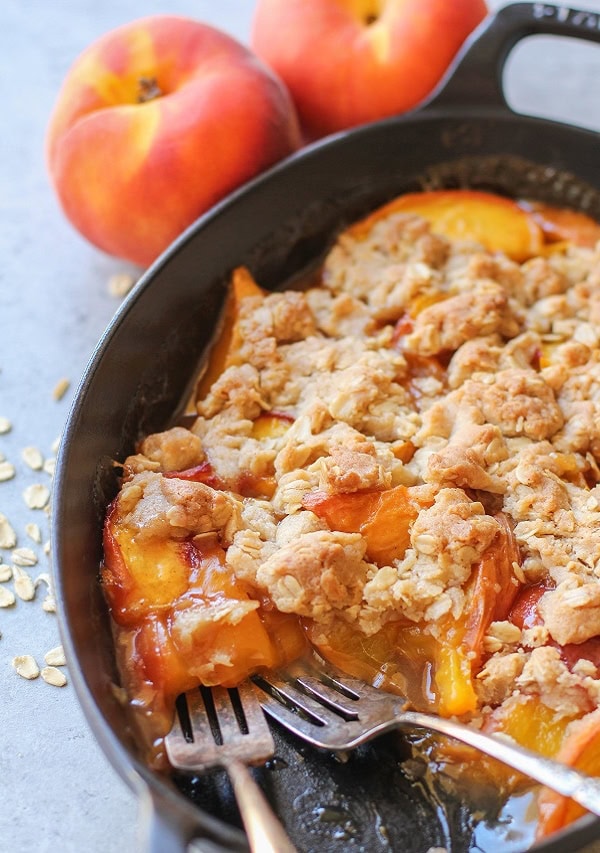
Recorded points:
(264,831)
(559,777)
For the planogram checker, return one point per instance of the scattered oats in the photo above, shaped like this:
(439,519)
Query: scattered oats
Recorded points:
(26,666)
(7,471)
(53,676)
(32,456)
(61,388)
(7,597)
(44,577)
(47,548)
(5,573)
(55,445)
(55,657)
(36,496)
(8,537)
(24,557)
(24,585)
(120,284)
(49,604)
(5,425)
(50,465)
(34,532)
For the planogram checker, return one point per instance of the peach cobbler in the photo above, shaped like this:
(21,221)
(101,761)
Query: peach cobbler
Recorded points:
(398,466)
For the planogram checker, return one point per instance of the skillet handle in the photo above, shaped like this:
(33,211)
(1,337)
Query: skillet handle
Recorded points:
(475,77)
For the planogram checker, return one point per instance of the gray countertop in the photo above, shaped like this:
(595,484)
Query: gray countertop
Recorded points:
(58,791)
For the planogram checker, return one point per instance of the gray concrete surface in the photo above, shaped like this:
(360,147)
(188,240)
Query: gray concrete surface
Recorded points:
(57,791)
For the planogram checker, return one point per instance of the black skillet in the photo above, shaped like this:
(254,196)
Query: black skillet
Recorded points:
(279,225)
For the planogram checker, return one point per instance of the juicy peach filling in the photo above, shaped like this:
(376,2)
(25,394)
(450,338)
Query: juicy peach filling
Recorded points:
(185,618)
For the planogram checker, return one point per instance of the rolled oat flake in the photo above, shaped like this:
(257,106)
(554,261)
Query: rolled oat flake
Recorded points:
(53,676)
(36,496)
(26,666)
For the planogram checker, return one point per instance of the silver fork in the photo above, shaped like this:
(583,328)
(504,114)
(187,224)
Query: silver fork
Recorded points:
(220,727)
(332,711)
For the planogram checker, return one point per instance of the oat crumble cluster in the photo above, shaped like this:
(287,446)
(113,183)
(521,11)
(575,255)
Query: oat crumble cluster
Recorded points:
(468,378)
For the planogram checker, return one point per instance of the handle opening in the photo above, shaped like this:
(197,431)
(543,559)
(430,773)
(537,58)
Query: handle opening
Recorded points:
(543,78)
(475,79)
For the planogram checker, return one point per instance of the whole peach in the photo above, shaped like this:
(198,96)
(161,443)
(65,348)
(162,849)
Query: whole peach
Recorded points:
(156,122)
(347,62)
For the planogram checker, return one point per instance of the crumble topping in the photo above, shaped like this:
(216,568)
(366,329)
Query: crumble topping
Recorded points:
(466,378)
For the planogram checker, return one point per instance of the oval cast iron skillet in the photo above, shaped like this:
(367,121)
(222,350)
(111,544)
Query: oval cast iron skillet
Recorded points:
(278,225)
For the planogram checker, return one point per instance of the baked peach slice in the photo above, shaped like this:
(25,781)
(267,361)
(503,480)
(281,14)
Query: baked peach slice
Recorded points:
(530,723)
(581,749)
(382,517)
(271,424)
(496,222)
(562,225)
(192,621)
(226,346)
(490,593)
(407,651)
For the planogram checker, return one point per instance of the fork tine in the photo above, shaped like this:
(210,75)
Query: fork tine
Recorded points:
(325,707)
(329,674)
(348,697)
(255,718)
(225,727)
(224,714)
(286,695)
(328,696)
(223,724)
(329,736)
(201,751)
(314,721)
(307,682)
(244,729)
